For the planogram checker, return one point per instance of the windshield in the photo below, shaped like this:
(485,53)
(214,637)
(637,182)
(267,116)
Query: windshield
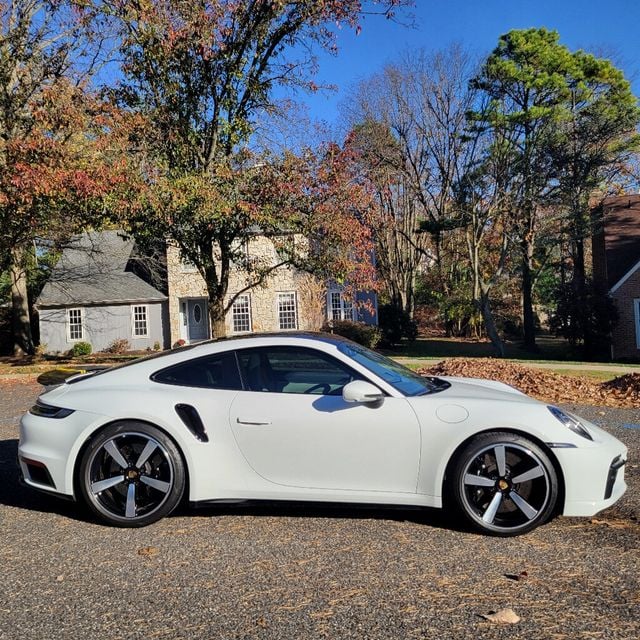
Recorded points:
(398,376)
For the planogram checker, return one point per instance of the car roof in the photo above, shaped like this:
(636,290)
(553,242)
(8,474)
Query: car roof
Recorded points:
(230,341)
(306,335)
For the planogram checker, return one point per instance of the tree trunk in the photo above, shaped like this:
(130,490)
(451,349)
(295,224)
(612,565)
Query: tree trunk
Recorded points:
(217,317)
(484,305)
(579,289)
(528,317)
(20,319)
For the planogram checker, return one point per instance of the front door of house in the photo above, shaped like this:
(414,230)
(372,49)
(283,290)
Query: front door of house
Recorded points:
(197,319)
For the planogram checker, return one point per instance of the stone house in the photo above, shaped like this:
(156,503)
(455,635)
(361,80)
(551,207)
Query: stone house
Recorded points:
(289,300)
(616,268)
(102,290)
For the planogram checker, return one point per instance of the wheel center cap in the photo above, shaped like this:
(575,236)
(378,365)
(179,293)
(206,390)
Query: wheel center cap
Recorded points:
(503,485)
(132,474)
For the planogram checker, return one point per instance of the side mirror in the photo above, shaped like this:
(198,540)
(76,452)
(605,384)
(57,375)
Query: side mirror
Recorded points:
(362,392)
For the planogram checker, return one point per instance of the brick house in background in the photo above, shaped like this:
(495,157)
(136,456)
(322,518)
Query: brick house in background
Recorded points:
(616,268)
(103,290)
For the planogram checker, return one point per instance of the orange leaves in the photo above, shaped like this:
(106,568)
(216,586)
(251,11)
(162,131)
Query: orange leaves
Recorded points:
(547,386)
(67,167)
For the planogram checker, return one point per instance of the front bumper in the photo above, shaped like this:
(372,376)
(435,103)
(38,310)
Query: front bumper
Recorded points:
(593,474)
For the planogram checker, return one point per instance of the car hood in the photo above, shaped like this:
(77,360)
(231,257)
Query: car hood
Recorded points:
(480,389)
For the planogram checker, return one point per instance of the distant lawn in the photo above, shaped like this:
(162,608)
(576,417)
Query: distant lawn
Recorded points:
(33,365)
(551,349)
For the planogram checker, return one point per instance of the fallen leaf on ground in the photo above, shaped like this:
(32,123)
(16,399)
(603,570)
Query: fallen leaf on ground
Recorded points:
(517,576)
(548,386)
(148,551)
(502,616)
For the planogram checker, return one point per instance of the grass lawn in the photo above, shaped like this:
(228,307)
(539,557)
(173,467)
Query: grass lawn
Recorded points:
(11,365)
(551,350)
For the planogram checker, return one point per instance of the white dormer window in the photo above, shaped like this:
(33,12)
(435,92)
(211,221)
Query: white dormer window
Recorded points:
(186,266)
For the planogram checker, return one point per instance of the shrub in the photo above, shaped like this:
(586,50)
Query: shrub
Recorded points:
(396,324)
(81,349)
(367,335)
(157,346)
(121,345)
(41,350)
(585,318)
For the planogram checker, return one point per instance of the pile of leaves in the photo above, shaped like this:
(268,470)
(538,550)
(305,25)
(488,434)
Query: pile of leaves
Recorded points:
(623,391)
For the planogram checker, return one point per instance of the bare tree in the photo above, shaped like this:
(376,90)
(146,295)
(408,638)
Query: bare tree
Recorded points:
(411,123)
(395,221)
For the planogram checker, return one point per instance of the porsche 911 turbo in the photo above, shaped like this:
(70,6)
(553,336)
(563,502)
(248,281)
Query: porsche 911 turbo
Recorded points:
(312,417)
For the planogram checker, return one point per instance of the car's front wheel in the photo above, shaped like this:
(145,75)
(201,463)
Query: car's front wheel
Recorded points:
(504,484)
(131,475)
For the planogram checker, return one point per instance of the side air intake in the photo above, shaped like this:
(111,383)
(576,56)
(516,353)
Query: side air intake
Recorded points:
(192,421)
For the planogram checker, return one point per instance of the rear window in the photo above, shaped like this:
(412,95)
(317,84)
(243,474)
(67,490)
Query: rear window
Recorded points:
(217,371)
(129,363)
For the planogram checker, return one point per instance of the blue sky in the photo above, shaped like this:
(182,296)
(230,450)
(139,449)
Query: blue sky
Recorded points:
(611,26)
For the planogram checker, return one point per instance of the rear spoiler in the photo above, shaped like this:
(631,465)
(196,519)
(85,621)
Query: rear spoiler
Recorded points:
(67,375)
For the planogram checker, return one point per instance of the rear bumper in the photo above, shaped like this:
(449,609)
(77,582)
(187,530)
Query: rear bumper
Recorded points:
(48,448)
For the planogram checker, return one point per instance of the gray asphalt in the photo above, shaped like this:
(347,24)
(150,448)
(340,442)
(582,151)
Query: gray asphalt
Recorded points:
(310,572)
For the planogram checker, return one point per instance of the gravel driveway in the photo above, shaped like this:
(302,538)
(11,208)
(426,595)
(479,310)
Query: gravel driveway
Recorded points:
(310,572)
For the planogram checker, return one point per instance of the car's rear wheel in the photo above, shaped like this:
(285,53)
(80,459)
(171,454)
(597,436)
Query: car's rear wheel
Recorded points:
(131,474)
(504,484)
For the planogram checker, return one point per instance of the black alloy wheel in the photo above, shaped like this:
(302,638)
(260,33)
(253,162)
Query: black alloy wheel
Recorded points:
(131,475)
(504,484)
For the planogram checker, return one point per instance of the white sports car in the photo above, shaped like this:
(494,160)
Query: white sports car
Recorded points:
(312,417)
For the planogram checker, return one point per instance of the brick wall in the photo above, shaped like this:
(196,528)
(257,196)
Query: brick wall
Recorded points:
(616,250)
(624,339)
(616,241)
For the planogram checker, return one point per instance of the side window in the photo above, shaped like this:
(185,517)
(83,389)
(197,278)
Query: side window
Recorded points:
(75,324)
(139,321)
(294,370)
(218,371)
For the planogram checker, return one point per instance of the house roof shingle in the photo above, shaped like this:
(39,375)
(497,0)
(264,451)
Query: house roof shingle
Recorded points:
(92,270)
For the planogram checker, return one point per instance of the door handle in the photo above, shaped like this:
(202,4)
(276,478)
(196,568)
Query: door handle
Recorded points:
(254,423)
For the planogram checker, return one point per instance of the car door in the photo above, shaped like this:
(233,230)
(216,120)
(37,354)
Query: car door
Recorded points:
(294,428)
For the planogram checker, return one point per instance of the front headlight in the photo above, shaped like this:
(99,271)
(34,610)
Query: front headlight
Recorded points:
(570,421)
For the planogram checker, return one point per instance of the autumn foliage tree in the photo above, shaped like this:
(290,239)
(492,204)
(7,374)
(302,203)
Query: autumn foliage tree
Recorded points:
(59,163)
(201,74)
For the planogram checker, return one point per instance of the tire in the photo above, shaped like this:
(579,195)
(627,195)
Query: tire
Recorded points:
(504,484)
(131,474)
